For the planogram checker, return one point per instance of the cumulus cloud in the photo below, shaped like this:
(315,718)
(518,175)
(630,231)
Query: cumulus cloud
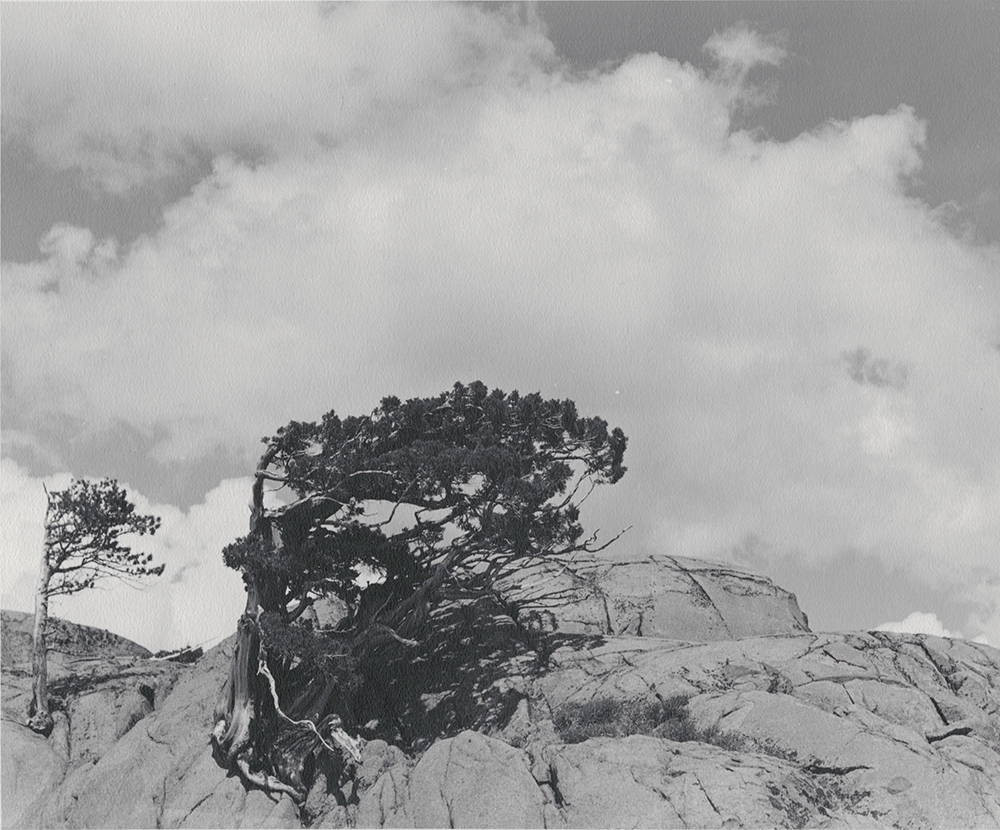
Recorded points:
(133,92)
(163,613)
(919,622)
(472,211)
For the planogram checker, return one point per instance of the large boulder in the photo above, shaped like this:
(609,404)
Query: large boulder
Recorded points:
(100,685)
(636,781)
(31,766)
(466,781)
(652,595)
(641,781)
(835,730)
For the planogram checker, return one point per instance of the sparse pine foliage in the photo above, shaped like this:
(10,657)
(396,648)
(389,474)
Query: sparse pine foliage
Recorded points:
(85,528)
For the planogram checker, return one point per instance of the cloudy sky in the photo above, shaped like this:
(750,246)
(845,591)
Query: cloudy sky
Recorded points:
(762,239)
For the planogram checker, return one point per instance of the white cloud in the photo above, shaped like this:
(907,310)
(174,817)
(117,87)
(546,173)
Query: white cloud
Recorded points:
(476,213)
(740,48)
(919,622)
(736,51)
(131,92)
(203,604)
(983,594)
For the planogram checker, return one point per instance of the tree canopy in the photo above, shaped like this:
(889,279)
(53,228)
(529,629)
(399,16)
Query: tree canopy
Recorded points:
(426,501)
(84,528)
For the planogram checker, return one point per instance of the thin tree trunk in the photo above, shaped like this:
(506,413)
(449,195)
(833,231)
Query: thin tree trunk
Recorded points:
(40,719)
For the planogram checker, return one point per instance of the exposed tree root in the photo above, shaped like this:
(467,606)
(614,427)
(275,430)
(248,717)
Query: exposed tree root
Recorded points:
(349,745)
(235,713)
(41,722)
(268,782)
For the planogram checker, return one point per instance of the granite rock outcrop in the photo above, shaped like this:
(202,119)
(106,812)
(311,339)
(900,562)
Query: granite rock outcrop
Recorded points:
(772,725)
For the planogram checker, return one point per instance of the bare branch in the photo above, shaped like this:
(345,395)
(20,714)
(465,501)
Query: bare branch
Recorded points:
(399,501)
(586,546)
(378,628)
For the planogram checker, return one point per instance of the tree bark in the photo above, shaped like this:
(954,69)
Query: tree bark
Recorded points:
(39,717)
(246,697)
(236,712)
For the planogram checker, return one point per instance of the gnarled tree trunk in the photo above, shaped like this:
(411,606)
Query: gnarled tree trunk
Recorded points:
(249,706)
(234,711)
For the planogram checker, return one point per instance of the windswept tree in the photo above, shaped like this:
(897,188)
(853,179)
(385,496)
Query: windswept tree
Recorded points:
(85,526)
(432,500)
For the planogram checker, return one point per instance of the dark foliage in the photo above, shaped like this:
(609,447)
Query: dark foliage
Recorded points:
(606,717)
(458,677)
(494,475)
(433,498)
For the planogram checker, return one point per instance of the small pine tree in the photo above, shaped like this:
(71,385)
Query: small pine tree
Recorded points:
(84,528)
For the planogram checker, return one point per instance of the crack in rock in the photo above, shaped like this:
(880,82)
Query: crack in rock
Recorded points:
(553,782)
(946,676)
(819,769)
(700,595)
(607,615)
(708,798)
(950,731)
(937,708)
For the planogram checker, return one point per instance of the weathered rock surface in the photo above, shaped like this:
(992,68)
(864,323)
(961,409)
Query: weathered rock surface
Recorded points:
(30,766)
(639,781)
(901,729)
(160,771)
(103,685)
(784,727)
(653,596)
(466,781)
